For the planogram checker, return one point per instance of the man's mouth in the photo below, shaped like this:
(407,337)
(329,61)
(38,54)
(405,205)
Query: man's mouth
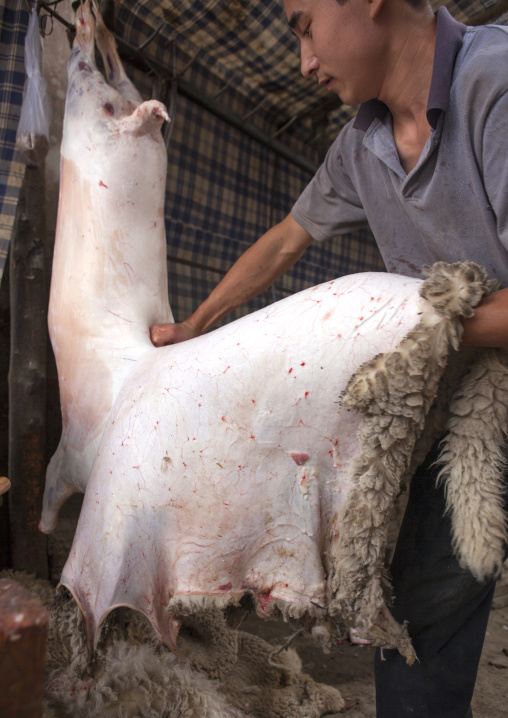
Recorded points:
(325,82)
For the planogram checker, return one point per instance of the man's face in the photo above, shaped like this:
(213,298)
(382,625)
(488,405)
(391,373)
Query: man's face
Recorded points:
(340,46)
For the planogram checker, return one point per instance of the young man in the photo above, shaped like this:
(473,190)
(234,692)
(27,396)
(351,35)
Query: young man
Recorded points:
(424,164)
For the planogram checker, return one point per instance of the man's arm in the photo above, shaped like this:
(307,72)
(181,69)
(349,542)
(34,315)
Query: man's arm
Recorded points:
(489,326)
(272,255)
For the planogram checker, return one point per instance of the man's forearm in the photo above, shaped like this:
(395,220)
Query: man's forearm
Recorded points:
(273,254)
(489,326)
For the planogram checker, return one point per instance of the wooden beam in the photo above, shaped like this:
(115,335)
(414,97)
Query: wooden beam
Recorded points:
(5,343)
(490,14)
(23,639)
(27,379)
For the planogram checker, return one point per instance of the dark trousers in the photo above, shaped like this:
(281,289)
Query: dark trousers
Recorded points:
(447,610)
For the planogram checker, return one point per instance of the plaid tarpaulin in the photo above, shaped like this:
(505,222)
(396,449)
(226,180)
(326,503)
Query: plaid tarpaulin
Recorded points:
(224,188)
(13,26)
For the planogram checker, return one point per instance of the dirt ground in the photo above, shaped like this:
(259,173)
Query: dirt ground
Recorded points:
(350,667)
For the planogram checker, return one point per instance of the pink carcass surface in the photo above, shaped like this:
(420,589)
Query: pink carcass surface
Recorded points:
(214,467)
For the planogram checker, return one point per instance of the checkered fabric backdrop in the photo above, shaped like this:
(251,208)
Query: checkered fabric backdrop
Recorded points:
(224,189)
(13,26)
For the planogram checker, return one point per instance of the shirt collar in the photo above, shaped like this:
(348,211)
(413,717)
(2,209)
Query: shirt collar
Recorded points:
(449,37)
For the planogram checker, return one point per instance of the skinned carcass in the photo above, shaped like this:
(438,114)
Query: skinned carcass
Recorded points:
(109,280)
(262,458)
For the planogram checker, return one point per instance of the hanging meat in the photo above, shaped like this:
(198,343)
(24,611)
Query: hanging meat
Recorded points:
(262,458)
(109,280)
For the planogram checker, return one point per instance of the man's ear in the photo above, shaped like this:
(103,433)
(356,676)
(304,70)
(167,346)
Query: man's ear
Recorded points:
(375,8)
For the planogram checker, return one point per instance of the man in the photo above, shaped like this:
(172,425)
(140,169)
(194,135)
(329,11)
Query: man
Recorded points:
(424,163)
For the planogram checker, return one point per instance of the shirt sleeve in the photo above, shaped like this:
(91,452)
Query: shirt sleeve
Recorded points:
(495,165)
(330,205)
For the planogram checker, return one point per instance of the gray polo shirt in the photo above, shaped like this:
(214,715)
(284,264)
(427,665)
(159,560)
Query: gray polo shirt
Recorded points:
(453,205)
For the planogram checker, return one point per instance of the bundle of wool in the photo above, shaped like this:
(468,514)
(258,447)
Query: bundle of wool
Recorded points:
(473,461)
(219,672)
(422,390)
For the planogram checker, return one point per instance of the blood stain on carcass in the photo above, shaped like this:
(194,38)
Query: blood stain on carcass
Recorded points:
(264,600)
(299,458)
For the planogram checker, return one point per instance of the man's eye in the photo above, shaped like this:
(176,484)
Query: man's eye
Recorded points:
(306,32)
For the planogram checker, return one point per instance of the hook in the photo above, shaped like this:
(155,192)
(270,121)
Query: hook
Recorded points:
(44,19)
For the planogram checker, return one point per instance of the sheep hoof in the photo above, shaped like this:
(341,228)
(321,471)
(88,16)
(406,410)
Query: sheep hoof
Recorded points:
(455,289)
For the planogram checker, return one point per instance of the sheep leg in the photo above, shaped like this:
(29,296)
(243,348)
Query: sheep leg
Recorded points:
(115,73)
(85,32)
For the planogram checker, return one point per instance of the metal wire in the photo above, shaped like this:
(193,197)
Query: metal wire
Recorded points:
(258,107)
(152,36)
(47,7)
(224,87)
(173,95)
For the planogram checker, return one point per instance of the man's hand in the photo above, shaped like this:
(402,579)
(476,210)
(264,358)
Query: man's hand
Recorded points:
(164,334)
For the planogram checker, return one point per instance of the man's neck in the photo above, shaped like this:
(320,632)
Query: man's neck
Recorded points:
(409,74)
(407,86)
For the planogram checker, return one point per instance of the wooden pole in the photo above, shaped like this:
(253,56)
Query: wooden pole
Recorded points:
(27,379)
(5,343)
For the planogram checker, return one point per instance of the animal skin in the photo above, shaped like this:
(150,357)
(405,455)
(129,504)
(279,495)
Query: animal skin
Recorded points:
(237,462)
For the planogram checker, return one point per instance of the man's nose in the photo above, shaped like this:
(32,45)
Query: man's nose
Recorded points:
(309,62)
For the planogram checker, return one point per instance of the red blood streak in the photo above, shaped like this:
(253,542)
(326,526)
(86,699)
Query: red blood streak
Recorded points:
(289,372)
(299,459)
(225,587)
(302,364)
(264,600)
(101,184)
(109,108)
